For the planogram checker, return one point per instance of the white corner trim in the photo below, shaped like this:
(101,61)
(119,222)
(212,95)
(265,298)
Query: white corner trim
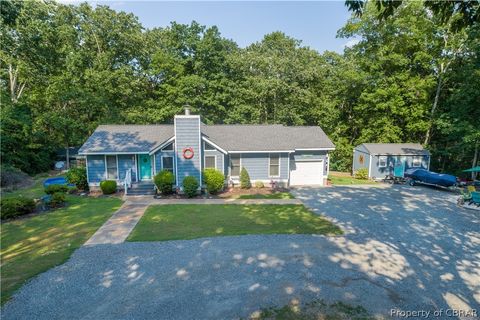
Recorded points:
(213,144)
(369,167)
(176,150)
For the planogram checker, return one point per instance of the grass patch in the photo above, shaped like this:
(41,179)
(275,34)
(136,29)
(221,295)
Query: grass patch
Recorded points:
(33,245)
(313,311)
(177,222)
(341,180)
(274,195)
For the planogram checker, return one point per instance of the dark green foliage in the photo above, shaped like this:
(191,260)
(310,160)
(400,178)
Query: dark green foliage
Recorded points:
(190,186)
(56,188)
(72,190)
(245,182)
(164,181)
(108,186)
(362,174)
(214,180)
(13,207)
(78,177)
(57,200)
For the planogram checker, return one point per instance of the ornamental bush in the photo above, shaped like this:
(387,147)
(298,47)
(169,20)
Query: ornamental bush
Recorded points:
(164,181)
(108,186)
(13,207)
(259,184)
(57,200)
(361,174)
(78,177)
(245,179)
(214,180)
(190,186)
(54,188)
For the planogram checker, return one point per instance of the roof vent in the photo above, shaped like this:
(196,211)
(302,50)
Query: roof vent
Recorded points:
(187,110)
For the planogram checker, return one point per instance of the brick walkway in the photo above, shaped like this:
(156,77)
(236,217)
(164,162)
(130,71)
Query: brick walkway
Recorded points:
(119,226)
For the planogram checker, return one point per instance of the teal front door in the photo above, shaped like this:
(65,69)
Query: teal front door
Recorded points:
(145,167)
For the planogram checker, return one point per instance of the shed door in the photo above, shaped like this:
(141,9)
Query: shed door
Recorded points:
(306,173)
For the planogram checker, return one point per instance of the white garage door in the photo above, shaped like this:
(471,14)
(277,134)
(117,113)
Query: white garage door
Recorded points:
(306,173)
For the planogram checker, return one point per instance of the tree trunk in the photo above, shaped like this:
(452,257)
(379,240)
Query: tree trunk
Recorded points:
(432,112)
(67,156)
(475,160)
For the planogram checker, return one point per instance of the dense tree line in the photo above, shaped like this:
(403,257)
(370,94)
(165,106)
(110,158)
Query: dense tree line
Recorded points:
(412,77)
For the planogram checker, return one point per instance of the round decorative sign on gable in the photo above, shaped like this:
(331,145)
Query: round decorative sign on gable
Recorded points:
(188,153)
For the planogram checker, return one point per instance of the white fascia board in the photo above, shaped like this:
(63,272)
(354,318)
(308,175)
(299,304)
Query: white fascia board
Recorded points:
(263,151)
(213,144)
(162,145)
(314,149)
(109,153)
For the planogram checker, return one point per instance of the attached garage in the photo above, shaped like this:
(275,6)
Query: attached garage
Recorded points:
(307,172)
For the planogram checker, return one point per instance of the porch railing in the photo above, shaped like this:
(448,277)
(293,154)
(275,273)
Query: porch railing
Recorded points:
(127,182)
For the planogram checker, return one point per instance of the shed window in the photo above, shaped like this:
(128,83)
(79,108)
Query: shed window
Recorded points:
(235,165)
(417,162)
(274,167)
(112,172)
(210,162)
(382,161)
(167,163)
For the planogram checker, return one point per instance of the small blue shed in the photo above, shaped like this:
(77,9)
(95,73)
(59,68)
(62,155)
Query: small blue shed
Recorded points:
(380,158)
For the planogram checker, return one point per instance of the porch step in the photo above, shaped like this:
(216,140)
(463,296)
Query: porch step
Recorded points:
(141,188)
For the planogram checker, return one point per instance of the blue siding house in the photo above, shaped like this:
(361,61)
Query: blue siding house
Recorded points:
(288,155)
(380,158)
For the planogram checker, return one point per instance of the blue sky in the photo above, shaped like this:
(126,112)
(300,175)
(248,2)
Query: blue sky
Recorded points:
(315,23)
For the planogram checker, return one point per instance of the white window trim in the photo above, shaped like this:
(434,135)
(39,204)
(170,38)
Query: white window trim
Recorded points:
(420,158)
(205,160)
(106,167)
(230,167)
(279,165)
(167,156)
(379,162)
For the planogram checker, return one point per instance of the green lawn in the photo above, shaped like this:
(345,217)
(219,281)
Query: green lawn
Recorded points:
(176,222)
(275,195)
(33,245)
(346,180)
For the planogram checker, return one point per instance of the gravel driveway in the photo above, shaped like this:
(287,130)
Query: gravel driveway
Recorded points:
(404,248)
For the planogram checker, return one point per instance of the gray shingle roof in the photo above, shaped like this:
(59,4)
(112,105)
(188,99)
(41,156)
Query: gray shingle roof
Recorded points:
(395,148)
(266,137)
(145,138)
(126,138)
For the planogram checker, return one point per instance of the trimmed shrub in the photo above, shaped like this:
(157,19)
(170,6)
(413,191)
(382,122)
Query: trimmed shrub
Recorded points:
(190,186)
(245,179)
(13,207)
(214,180)
(54,188)
(164,181)
(361,174)
(57,200)
(108,186)
(259,184)
(72,190)
(78,177)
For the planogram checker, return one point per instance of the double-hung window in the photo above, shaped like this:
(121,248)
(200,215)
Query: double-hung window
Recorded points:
(210,162)
(274,165)
(112,172)
(382,161)
(167,163)
(234,165)
(417,162)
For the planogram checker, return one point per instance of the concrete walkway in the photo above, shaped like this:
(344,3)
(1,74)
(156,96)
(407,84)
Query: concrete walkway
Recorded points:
(119,226)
